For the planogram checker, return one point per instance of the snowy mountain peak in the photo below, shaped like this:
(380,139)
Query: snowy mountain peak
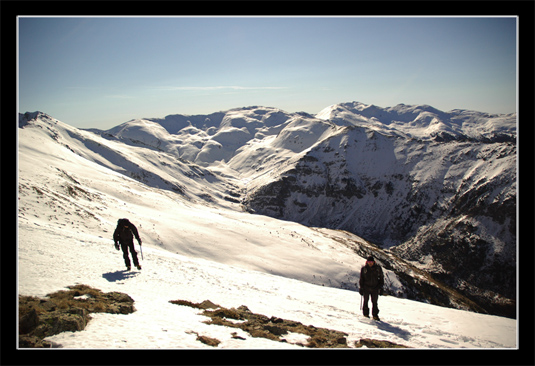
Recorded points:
(425,122)
(32,116)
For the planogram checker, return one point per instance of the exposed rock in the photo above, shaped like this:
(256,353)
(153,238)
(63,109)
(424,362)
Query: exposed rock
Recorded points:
(65,311)
(374,343)
(258,325)
(206,304)
(67,320)
(209,341)
(27,341)
(28,321)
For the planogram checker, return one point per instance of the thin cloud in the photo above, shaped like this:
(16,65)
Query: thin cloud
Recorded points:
(208,88)
(120,96)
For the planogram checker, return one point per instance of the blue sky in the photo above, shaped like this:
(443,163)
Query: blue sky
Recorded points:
(102,71)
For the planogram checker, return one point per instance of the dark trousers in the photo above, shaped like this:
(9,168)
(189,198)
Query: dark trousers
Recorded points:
(374,294)
(129,246)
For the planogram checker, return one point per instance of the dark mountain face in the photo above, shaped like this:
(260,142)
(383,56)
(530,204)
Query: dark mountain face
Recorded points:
(448,205)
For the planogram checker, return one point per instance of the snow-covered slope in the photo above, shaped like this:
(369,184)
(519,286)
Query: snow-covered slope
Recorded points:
(185,181)
(78,181)
(437,188)
(51,259)
(425,122)
(427,184)
(69,200)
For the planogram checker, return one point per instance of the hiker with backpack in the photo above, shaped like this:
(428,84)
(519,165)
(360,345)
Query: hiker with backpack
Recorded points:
(124,235)
(371,285)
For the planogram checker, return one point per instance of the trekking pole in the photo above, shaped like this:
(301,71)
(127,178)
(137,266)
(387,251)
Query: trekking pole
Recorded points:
(141,250)
(360,302)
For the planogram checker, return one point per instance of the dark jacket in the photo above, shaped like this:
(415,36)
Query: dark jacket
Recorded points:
(125,232)
(371,278)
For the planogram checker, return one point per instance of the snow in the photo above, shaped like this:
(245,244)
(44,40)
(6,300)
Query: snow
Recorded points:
(74,185)
(166,276)
(420,121)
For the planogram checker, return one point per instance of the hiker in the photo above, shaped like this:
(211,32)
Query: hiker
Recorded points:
(124,234)
(371,285)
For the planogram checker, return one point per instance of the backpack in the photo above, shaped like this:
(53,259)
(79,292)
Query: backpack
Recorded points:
(122,222)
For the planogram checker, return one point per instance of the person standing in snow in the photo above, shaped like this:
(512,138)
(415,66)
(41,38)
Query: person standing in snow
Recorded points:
(370,285)
(124,235)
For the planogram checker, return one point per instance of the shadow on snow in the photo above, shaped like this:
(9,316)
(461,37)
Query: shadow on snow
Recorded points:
(402,333)
(119,275)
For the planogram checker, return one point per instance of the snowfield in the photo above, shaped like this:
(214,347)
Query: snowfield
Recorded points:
(73,186)
(48,262)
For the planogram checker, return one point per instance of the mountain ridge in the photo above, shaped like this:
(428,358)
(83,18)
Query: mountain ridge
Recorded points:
(424,121)
(353,172)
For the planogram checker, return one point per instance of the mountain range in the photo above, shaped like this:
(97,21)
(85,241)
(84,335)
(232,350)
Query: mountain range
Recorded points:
(431,194)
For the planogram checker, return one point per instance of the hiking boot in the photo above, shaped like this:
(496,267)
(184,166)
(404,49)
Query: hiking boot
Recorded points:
(128,268)
(376,318)
(138,266)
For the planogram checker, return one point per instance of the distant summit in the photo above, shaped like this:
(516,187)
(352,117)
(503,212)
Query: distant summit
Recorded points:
(425,122)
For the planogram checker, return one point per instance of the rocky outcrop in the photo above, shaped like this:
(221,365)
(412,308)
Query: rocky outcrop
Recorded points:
(273,328)
(65,311)
(374,343)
